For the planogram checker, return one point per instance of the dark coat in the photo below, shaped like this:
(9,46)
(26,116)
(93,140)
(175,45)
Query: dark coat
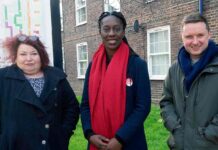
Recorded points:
(31,123)
(138,101)
(191,118)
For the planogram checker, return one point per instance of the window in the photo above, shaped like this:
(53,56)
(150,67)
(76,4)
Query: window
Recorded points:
(82,59)
(63,58)
(148,1)
(61,15)
(80,12)
(112,5)
(158,52)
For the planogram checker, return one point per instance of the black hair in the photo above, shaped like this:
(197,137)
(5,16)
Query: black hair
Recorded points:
(119,15)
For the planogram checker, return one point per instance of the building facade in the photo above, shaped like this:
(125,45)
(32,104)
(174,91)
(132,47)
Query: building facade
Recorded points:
(153,31)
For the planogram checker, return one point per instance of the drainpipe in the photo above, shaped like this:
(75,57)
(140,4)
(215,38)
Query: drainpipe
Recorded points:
(201,7)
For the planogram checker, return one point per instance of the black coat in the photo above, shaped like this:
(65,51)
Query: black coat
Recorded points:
(31,123)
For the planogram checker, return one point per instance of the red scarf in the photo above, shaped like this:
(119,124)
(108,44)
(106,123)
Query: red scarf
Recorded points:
(107,91)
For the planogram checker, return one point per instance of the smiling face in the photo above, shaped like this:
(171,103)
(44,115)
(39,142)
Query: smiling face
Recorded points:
(28,59)
(195,37)
(111,32)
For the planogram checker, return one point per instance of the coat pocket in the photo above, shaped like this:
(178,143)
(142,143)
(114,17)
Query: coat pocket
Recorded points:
(175,140)
(202,141)
(211,134)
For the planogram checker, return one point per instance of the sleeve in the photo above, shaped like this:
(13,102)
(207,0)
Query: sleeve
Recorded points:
(84,108)
(0,120)
(142,102)
(0,117)
(1,77)
(71,107)
(168,112)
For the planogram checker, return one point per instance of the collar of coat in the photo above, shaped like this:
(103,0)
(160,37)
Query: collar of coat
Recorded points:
(52,77)
(15,72)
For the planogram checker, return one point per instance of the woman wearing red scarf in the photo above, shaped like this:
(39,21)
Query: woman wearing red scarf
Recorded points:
(116,96)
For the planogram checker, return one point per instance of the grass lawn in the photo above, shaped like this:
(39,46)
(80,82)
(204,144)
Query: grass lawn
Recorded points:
(156,134)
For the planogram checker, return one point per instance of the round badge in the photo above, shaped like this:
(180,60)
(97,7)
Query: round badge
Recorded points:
(129,82)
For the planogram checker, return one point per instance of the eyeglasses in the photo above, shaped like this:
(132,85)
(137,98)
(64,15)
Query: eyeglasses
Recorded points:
(23,38)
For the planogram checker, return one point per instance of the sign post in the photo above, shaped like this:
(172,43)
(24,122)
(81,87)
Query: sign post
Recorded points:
(32,17)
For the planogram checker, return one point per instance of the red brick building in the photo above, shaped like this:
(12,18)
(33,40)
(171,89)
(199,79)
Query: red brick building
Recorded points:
(157,39)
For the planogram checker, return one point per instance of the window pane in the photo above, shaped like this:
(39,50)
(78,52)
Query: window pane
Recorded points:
(162,47)
(152,37)
(82,14)
(159,42)
(165,35)
(83,67)
(152,48)
(81,3)
(112,5)
(82,53)
(160,36)
(160,64)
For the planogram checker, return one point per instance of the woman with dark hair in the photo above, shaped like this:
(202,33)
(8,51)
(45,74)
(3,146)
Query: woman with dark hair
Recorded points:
(38,108)
(116,96)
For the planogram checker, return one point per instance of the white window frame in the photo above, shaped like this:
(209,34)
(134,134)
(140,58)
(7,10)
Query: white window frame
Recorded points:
(61,14)
(148,1)
(77,8)
(109,3)
(63,58)
(149,59)
(79,75)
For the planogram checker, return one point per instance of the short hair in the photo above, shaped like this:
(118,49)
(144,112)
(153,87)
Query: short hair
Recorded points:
(195,18)
(118,15)
(11,45)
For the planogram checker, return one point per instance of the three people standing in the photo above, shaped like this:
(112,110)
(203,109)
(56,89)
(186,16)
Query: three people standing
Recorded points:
(39,110)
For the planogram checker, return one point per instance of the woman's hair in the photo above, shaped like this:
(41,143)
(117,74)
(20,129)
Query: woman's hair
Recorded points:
(12,44)
(119,15)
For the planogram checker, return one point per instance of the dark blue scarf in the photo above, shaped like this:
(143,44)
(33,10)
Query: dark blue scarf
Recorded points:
(192,70)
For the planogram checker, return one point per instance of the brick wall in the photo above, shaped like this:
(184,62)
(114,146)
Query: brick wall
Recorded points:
(155,14)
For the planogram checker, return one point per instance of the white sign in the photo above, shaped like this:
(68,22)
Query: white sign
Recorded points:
(31,17)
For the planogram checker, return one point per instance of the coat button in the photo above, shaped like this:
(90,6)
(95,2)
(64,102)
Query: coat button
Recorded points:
(47,126)
(43,142)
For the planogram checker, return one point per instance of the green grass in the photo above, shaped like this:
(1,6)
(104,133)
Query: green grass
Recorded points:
(156,134)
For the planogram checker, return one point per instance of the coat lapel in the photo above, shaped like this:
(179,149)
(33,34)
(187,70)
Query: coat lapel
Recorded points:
(27,95)
(50,90)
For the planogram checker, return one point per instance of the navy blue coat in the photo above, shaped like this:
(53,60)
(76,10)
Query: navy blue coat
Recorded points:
(138,102)
(31,123)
